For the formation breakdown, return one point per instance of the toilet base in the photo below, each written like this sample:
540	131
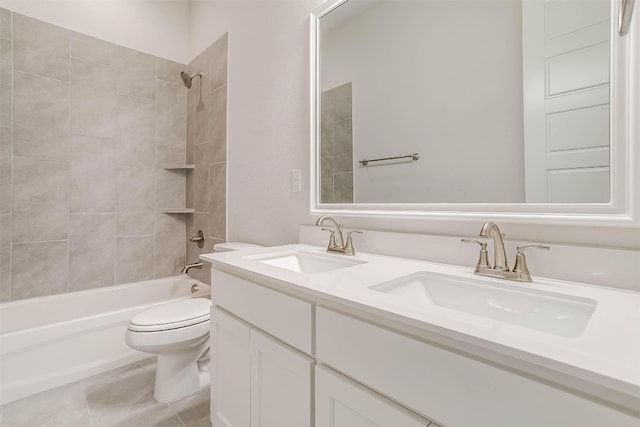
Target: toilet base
178	375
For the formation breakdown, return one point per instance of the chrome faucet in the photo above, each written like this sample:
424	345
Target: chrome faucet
187	267
500	269
344	247
499	253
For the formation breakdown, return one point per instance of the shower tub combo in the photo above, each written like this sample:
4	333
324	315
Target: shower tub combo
49	341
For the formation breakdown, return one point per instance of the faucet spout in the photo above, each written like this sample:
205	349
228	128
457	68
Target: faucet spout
491	229
336	228
187	267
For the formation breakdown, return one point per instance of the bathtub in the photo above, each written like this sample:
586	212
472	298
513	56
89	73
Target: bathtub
49	341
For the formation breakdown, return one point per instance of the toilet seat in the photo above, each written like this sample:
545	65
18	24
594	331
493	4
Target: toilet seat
176	315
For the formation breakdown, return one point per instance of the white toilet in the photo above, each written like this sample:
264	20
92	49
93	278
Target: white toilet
178	333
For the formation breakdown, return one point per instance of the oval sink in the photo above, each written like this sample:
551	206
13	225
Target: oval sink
305	262
559	314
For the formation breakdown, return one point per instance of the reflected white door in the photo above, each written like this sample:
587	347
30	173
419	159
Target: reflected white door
565	49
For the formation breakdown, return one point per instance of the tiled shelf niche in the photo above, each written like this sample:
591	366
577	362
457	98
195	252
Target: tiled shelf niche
179	167
179	211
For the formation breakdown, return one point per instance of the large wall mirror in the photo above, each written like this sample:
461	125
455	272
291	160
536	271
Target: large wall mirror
512	105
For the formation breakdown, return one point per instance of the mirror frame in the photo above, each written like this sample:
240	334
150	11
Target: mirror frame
622	210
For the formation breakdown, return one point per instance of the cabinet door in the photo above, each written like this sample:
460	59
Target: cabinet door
230	370
343	403
280	384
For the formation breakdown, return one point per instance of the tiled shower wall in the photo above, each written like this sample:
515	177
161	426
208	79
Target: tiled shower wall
85	127
336	145
207	148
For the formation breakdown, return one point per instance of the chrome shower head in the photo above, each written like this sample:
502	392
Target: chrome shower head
187	79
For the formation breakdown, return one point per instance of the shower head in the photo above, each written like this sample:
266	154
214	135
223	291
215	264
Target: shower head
187	79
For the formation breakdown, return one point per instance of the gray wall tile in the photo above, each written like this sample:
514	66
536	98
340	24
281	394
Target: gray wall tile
326	179
201	179
218	213
38	269
41	117
218	63
191	133
6	169
218	122
170	189
41	199
6	31
5	258
326	131
92	175
93	50
136	73
94	100
342	146
134	259
202	115
91	251
169	71
170	251
171	123
40	48
85	149
136	130
6	83
134	200
343	187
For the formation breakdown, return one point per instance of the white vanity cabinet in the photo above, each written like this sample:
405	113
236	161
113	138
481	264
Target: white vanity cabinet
257	380
344	403
286	357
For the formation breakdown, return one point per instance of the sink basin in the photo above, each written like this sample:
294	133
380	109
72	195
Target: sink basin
558	314
305	262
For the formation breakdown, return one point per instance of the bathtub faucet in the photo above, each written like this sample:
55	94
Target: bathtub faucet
187	267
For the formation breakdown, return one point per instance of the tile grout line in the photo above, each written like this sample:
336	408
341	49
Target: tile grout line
69	169
155	171
115	170
12	166
84	394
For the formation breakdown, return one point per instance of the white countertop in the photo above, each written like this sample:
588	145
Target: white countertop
604	361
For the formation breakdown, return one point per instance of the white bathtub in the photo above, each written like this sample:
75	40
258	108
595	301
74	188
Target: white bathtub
49	341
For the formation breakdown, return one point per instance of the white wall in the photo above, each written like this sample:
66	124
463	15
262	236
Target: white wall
268	112
157	27
269	133
454	96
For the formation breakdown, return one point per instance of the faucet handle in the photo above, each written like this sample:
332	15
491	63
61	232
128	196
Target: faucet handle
483	258
523	247
520	266
348	246
332	237
483	245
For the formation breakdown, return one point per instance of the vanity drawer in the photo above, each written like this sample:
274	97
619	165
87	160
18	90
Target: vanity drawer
446	386
280	315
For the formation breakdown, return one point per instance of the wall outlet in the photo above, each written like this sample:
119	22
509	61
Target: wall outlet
296	180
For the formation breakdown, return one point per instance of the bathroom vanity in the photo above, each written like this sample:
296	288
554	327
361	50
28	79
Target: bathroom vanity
301	337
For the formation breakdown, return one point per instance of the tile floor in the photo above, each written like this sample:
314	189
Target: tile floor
118	398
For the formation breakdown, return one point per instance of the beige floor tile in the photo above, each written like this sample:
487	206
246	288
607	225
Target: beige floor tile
48	406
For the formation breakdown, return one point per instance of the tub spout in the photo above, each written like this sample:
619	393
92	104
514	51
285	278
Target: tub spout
187	267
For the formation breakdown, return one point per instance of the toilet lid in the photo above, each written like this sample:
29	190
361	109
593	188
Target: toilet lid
173	315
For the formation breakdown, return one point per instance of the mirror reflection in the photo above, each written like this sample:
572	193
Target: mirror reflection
503	101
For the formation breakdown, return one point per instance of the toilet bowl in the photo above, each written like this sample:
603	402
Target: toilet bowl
178	333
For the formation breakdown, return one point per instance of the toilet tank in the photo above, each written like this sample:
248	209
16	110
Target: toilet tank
233	246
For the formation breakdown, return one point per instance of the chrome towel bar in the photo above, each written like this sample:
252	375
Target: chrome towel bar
414	156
